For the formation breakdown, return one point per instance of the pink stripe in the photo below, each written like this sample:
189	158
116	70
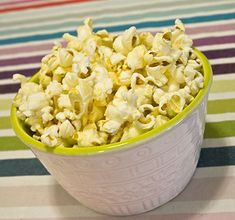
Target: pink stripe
209	188
213	216
210	28
204	189
28	48
16	2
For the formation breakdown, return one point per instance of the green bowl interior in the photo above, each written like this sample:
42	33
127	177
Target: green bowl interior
26	136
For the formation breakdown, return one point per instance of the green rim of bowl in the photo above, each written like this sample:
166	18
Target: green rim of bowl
27	139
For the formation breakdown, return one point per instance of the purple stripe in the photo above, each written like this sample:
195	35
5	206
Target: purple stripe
209	28
22	49
214	40
212	54
10	88
223	68
26	72
23	60
217	69
47	46
30	48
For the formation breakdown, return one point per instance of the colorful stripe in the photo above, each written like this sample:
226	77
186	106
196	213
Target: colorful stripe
71	24
149	24
210	157
27	31
17	2
41	5
211	54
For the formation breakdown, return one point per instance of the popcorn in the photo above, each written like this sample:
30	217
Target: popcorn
37	101
104	88
66	129
135	59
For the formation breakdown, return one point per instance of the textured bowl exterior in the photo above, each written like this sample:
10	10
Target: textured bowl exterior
136	179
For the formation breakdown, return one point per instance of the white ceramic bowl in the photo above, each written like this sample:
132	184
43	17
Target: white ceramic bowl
136	175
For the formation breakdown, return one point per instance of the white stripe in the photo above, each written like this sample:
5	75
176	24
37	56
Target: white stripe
229	116
20	4
39	42
4	113
36	65
199	207
222	60
79	211
72	8
6	133
16	154
213	34
30	43
203	24
212	96
20	66
211	172
95	10
27	181
125	21
216	46
116	14
43	52
8	81
47	180
219	142
47	212
7	96
227	76
209	118
222	95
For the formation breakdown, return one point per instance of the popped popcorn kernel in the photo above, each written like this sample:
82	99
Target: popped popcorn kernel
103	88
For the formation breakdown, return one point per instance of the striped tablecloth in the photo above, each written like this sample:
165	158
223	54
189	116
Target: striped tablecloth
27	30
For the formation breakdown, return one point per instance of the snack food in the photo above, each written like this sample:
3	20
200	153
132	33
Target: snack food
104	88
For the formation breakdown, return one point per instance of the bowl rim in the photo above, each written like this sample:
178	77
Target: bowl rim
28	140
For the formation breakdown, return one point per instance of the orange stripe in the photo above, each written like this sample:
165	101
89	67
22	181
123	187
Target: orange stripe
42	5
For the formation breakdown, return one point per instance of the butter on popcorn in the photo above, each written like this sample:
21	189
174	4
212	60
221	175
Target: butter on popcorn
104	88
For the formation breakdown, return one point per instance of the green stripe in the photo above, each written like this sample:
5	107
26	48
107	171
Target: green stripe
220	129
221	106
223	86
212	130
11	143
70	25
213	107
5	123
5	104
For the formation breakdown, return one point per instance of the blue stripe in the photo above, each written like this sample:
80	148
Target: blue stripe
210	157
22	167
149	24
109	19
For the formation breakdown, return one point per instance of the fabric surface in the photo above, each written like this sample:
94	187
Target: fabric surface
27	31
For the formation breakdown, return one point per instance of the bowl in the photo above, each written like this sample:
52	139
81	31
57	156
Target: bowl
133	176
